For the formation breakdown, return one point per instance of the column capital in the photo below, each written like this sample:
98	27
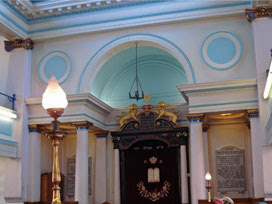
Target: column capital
253	113
101	133
205	128
195	117
116	140
18	43
82	124
36	128
258	12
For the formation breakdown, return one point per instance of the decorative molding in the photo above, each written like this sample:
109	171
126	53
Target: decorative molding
218	86
18	43
42	11
165	11
258	12
253	113
221	96
195	117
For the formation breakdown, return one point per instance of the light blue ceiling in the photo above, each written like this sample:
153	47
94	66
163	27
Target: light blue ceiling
158	71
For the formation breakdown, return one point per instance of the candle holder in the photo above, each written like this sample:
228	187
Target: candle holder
54	101
208	179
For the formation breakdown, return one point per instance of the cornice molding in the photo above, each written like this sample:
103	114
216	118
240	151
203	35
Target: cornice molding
212	86
258	12
123	15
18	43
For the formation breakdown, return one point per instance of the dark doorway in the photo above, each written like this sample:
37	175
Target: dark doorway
150	173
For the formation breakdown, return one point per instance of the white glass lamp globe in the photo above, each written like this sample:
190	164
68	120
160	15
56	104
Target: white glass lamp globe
208	176
54	96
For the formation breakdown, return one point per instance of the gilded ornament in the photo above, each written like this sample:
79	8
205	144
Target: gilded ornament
19	43
259	12
253	112
195	116
133	113
154	195
161	111
153	160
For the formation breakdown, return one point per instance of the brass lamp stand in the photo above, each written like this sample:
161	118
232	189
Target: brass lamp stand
208	178
56	135
54	101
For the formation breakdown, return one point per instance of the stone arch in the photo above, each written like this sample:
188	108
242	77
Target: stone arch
118	44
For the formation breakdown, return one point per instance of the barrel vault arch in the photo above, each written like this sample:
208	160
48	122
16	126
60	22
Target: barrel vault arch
111	48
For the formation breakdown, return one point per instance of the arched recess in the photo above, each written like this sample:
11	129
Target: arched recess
158	71
111	48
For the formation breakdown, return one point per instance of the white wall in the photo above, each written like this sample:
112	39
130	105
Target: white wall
262	30
188	36
4	61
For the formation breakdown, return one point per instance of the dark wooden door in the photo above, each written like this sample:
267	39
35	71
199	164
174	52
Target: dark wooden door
150	174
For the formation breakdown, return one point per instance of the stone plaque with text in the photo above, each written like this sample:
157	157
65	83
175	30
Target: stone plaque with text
230	167
71	169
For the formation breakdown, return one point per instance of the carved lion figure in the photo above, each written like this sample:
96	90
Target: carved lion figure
133	113
163	112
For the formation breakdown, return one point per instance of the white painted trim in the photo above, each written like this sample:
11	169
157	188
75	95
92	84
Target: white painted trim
221	84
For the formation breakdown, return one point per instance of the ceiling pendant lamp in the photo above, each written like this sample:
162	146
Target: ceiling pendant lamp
139	93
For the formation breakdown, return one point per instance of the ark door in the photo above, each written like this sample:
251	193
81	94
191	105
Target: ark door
150	173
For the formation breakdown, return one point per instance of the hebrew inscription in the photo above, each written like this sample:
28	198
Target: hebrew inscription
230	170
71	169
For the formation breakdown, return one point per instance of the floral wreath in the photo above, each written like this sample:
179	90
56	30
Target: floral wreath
153	195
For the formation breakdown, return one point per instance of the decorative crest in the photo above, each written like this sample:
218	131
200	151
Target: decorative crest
153	160
147	107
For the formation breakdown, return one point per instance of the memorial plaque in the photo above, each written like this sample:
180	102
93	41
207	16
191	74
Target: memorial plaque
71	169
230	167
89	176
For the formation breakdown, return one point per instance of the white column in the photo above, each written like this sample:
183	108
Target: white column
197	167
262	28
81	177
256	154
117	192
101	169
183	173
16	172
34	163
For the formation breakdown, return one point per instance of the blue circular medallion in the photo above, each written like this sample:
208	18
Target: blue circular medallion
55	63
221	50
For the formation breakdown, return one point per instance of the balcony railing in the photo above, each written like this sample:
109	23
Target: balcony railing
11	99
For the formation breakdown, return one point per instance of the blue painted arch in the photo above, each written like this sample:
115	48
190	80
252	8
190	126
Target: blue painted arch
88	75
158	71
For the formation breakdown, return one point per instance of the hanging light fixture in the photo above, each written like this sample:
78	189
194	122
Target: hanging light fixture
137	84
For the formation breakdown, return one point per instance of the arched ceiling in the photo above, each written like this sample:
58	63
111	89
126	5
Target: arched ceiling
158	71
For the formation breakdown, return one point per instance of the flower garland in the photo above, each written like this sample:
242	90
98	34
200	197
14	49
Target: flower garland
153	195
